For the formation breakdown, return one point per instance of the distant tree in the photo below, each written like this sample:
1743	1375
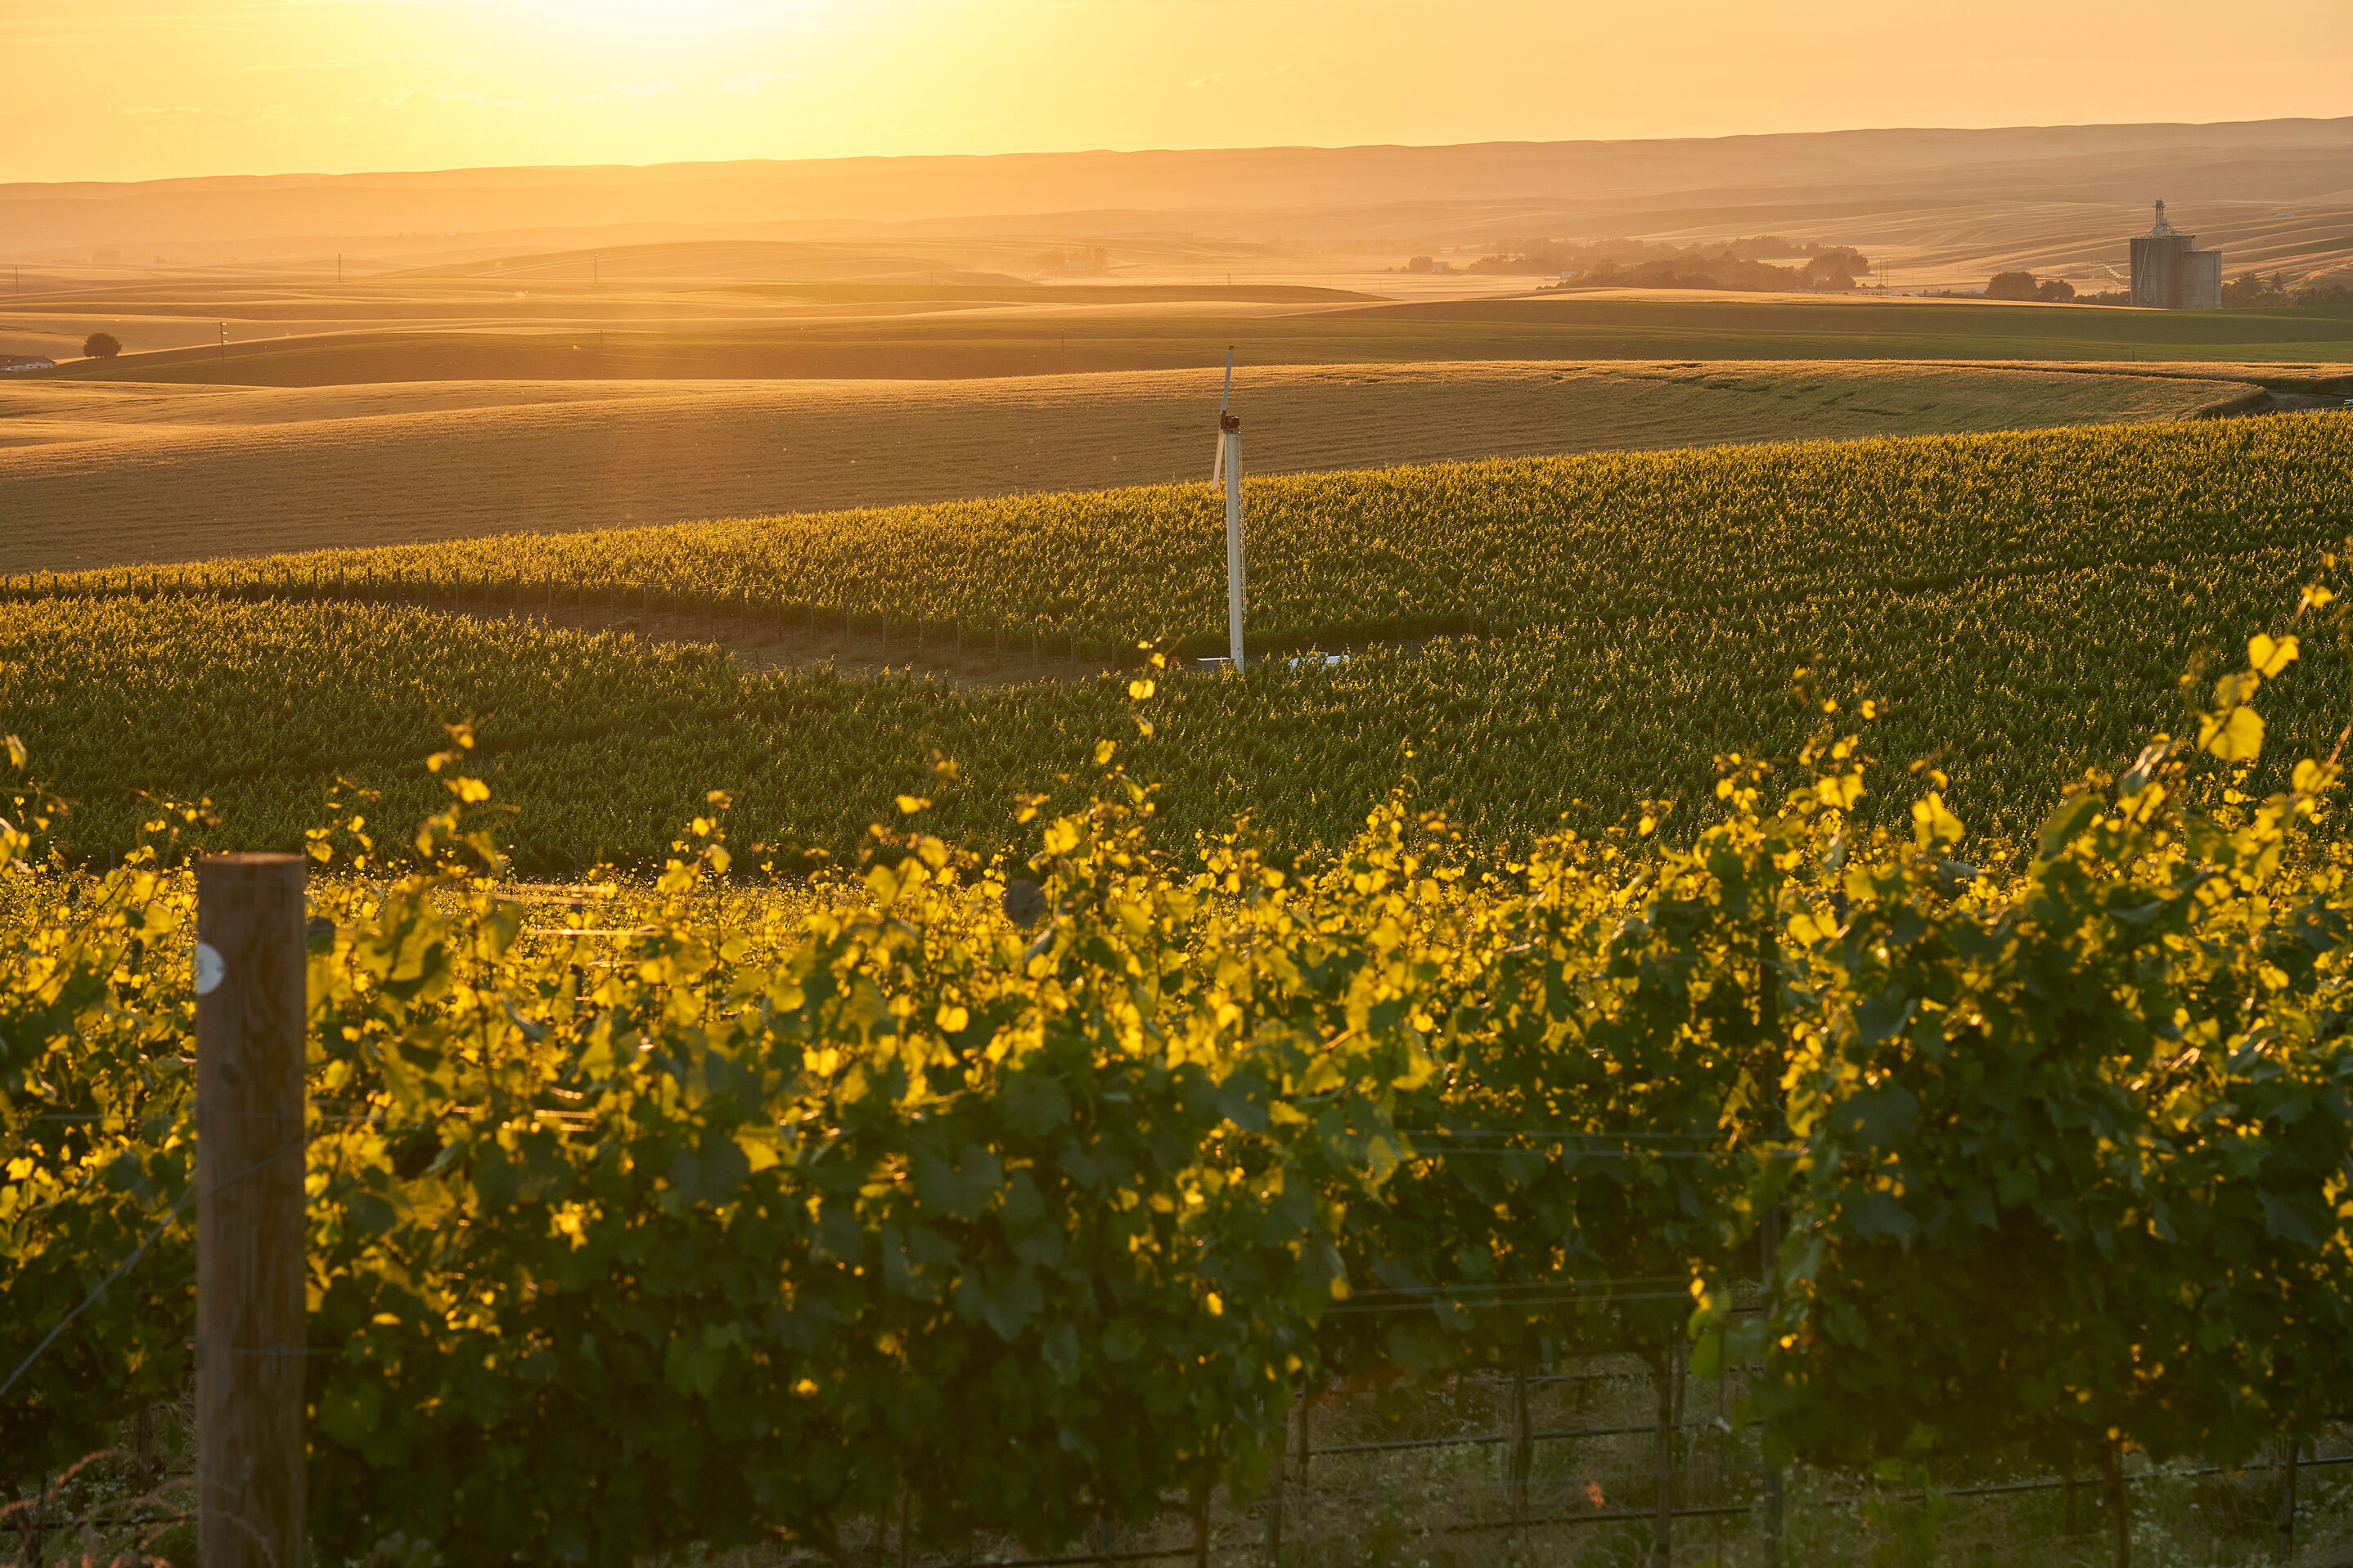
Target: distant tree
1420	264
2055	291
2253	289
1836	267
101	345
2324	294
2013	285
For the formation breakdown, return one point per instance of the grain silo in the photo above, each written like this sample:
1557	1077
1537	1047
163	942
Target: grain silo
2171	273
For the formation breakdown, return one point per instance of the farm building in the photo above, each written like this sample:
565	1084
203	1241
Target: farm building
17	365
2169	273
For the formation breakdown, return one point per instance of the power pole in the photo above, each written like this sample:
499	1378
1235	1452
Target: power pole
223	350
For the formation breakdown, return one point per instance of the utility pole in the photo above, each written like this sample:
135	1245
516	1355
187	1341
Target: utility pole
339	269
223	350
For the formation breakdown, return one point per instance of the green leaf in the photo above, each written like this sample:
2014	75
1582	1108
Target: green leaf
349	1411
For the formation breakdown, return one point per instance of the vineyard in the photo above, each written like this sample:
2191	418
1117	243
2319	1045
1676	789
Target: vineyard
1631	1065
1043	1197
2015	608
1400	553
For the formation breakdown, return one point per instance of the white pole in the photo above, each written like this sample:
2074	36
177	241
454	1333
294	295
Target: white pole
1217	465
1236	577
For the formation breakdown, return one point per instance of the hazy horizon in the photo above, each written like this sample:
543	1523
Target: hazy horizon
656	165
113	90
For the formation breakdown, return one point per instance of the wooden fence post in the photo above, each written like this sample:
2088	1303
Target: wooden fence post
1522	1449
1668	1369
2290	1450
251	962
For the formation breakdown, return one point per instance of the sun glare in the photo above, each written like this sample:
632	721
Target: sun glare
666	17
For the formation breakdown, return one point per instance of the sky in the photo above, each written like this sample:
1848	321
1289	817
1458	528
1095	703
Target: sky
130	89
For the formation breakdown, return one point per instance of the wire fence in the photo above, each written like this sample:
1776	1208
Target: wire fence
1540	1466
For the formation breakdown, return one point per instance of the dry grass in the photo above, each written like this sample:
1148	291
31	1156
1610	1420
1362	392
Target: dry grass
101	473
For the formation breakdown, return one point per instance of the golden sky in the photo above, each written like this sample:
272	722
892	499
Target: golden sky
119	89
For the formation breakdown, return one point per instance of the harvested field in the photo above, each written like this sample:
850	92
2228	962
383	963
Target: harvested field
98	473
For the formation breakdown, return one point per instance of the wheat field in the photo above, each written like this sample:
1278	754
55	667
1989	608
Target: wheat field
103	473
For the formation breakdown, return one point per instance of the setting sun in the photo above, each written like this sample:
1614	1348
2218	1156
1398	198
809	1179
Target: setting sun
1175	783
115	89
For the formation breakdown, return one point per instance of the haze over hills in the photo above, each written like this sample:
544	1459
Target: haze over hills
1934	199
654	340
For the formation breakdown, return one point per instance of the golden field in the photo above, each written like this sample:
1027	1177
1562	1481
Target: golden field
97	473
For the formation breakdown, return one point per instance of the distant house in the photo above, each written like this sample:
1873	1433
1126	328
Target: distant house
19	364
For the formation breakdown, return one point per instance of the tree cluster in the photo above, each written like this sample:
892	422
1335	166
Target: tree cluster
1647	264
2255	289
2025	286
1074	258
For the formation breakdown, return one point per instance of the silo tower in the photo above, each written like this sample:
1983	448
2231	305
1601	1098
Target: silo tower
2171	273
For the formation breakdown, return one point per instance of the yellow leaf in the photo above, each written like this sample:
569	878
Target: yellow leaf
1103	749
1840	791
2235	737
1932	824
2268	657
1642	828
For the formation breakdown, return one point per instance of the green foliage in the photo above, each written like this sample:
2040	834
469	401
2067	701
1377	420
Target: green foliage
2014	681
730	1214
755	1214
95	1101
1407	552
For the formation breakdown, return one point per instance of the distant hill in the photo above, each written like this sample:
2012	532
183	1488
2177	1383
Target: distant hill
1299	193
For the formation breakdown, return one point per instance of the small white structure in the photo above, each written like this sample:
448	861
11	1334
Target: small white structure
21	364
1228	468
